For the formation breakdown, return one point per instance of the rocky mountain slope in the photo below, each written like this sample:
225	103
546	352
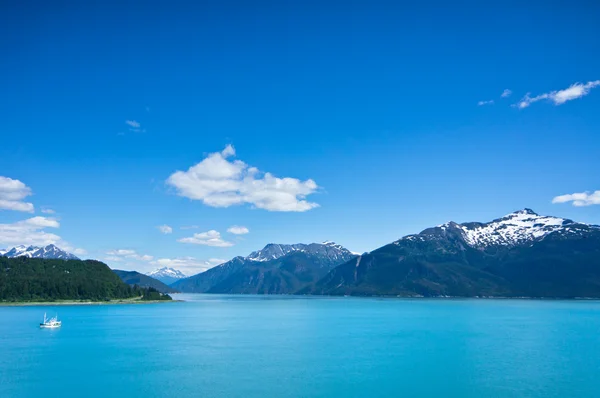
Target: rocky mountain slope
520	255
276	269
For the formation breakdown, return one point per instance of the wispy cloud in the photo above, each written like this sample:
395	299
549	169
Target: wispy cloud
48	211
165	229
189	227
238	230
12	193
128	254
579	199
506	93
481	103
135	126
79	251
559	97
219	182
29	232
209	238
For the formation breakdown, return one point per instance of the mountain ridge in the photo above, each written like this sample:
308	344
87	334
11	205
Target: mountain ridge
50	251
521	254
277	268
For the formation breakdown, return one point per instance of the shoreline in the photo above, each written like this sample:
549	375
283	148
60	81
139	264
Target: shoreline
72	302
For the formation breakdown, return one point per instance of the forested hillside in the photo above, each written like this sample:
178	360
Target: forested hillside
34	279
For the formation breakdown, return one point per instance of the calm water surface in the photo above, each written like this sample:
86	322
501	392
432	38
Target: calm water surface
252	346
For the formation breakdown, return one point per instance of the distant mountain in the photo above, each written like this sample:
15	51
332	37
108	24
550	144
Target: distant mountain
167	275
520	255
133	278
50	251
276	269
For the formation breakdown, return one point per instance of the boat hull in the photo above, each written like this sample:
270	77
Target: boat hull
50	326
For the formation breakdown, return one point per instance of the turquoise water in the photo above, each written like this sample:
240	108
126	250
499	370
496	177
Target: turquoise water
251	346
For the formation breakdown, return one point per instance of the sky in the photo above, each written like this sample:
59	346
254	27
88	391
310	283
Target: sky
176	134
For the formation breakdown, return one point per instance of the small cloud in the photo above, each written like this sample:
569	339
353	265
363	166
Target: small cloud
129	254
559	97
48	211
189	227
238	230
165	229
209	238
579	199
220	182
148	109
133	124
12	193
506	93
79	251
481	103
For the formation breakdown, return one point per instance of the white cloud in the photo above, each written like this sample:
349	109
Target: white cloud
165	229
209	238
559	97
133	124
189	227
188	265
506	93
12	193
481	103
29	232
79	251
218	182
238	230
48	211
579	199
128	254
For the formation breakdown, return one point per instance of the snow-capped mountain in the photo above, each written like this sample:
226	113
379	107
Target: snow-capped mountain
50	251
167	275
522	254
521	227
330	250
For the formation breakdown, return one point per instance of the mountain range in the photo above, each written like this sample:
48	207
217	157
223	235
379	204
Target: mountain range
48	252
276	269
522	254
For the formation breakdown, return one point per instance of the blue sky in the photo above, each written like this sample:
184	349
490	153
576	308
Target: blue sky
371	111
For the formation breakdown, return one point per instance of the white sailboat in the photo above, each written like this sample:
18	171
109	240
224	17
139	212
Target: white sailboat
50	323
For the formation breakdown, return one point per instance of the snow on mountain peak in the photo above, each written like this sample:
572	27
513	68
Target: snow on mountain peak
167	272
274	251
49	251
514	228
